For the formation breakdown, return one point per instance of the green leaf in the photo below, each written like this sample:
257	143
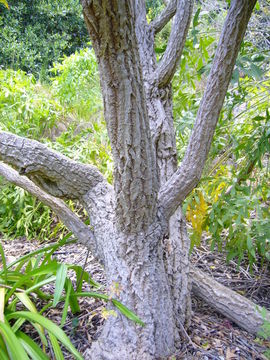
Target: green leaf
5	3
50	327
31	347
73	302
43	270
56	348
4	262
40	284
24	298
65	310
3	355
128	313
14	346
61	276
17	325
2	304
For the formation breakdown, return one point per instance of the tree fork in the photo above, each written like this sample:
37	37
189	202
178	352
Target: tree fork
138	227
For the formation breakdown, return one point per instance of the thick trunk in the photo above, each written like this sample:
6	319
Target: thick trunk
137	276
138	230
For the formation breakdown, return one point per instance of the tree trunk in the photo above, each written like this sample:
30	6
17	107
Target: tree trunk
139	233
137	274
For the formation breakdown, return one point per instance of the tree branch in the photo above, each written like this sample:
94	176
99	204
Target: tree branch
53	172
188	174
82	232
227	302
173	52
164	17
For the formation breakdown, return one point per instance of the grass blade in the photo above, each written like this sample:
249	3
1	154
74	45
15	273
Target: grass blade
65	310
32	349
56	348
50	327
2	304
4	262
14	346
128	313
61	276
24	298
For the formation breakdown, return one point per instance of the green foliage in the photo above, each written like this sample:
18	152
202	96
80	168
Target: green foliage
26	107
34	34
231	202
76	84
23	285
23	215
34	110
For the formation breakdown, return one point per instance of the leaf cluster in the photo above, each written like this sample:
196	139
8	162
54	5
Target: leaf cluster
25	297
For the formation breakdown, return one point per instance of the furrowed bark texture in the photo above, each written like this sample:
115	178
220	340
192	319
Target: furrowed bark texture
235	307
163	19
139	232
111	25
190	170
170	59
55	173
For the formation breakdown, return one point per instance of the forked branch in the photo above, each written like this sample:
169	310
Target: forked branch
164	17
189	173
81	231
53	172
173	52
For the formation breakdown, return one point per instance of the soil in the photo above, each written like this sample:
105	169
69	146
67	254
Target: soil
210	336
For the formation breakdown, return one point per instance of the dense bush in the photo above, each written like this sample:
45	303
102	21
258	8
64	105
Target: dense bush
34	34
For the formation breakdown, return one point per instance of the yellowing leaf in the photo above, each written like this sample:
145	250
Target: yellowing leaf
107	313
197	212
5	3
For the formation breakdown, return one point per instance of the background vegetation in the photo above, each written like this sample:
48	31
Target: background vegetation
49	90
231	203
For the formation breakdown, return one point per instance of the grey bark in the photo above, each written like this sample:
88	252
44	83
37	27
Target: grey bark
232	305
170	59
188	175
111	25
138	228
55	173
158	23
82	232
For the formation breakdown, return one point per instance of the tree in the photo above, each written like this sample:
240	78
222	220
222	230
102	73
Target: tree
137	228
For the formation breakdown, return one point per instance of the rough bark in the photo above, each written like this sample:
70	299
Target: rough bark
111	25
170	59
141	241
82	232
232	305
158	23
55	173
188	175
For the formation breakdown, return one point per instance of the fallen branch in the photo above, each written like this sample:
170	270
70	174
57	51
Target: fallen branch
242	311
